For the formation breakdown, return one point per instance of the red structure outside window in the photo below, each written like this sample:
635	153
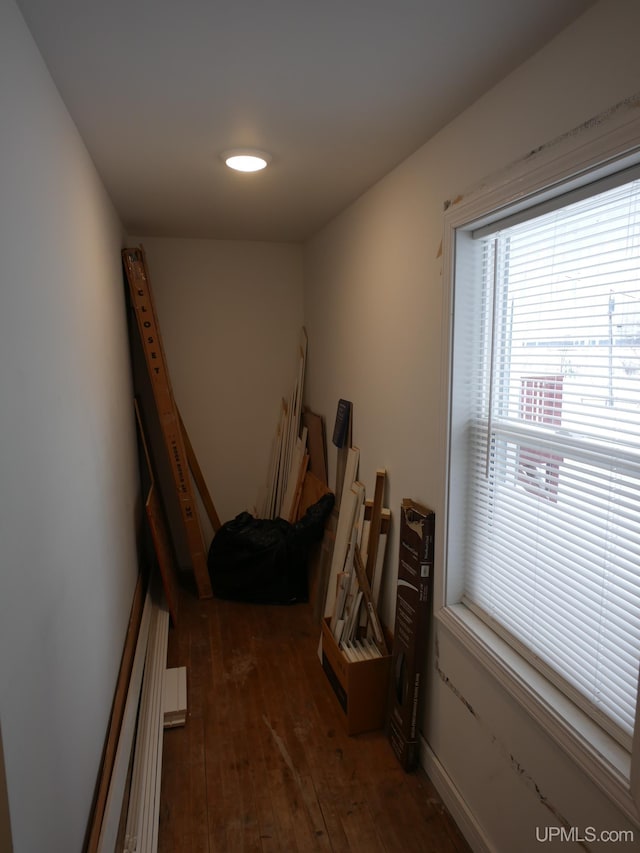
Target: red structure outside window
540	402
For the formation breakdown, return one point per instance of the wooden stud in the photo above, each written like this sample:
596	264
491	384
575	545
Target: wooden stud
317	445
198	476
117	718
155	516
298	492
294	478
366	591
346	519
374	527
158	528
385	525
282	465
108	829
321	567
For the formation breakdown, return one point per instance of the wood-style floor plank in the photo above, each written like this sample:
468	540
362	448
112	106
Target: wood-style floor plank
183	814
263	764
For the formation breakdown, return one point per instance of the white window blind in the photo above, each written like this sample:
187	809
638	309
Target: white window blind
552	541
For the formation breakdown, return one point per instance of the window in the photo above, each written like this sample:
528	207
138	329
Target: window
542	528
553	539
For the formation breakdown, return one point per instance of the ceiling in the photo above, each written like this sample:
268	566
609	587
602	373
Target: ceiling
339	92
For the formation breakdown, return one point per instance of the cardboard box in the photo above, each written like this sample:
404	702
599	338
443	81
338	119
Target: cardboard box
413	607
361	688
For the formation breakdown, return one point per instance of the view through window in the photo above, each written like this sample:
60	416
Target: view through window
552	540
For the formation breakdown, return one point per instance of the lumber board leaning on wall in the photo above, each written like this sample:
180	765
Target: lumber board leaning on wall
148	328
317	444
346	520
297	470
282	464
117	718
104	838
198	476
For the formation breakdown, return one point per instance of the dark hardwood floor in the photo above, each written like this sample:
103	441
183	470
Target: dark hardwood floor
263	763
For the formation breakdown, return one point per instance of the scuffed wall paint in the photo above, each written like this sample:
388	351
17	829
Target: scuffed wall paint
516	766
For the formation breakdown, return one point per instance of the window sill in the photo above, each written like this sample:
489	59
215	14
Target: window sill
597	754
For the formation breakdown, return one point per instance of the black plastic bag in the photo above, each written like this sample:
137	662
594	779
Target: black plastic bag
265	561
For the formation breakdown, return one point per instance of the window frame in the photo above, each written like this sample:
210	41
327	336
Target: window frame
604	146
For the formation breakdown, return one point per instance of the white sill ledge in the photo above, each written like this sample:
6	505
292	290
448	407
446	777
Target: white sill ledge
598	755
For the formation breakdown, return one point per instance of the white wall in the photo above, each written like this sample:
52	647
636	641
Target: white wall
230	313
68	471
373	301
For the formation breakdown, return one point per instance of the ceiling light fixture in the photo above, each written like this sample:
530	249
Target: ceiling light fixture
246	160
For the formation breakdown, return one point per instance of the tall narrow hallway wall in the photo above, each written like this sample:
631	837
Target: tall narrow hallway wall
68	470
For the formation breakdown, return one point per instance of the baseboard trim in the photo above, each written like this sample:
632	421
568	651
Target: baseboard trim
453	800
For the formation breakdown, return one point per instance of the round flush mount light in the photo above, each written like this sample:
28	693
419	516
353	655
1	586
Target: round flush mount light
246	159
